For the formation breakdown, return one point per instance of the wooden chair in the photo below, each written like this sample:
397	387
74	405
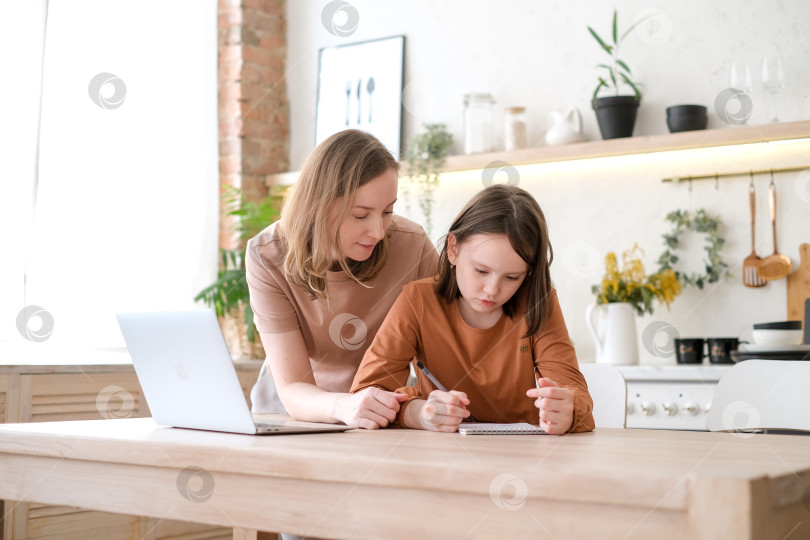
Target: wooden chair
609	393
762	395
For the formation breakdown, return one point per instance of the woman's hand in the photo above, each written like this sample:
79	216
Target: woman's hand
556	406
444	411
370	408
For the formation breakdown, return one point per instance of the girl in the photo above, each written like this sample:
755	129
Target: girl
323	278
483	327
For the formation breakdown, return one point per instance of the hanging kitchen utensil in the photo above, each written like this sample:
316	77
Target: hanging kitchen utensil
359	106
750	276
798	287
349	86
370	89
775	266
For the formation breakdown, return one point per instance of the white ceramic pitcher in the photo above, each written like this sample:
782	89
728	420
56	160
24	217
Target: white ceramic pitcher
616	342
567	127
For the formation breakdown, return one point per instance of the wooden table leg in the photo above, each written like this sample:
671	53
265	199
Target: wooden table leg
244	534
249	534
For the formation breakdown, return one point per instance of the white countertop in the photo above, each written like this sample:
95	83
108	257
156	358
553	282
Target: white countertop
680	372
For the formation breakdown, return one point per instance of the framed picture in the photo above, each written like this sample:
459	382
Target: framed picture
360	87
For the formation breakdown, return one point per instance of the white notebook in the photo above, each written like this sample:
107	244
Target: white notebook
487	428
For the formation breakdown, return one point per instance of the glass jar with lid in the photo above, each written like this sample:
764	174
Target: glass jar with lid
515	134
478	123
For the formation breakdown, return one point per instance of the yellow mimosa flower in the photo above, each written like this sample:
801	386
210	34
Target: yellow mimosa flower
627	285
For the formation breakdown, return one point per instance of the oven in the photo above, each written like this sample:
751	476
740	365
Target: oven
670	397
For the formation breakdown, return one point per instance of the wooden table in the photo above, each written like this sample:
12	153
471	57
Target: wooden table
407	484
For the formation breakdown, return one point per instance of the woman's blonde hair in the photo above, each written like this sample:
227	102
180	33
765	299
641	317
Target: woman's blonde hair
513	212
317	204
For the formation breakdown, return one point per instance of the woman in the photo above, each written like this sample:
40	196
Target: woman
324	276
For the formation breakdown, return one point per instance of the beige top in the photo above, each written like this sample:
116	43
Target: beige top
336	335
493	366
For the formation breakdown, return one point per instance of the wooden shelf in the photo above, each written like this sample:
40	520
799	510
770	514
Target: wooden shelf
635	145
617	147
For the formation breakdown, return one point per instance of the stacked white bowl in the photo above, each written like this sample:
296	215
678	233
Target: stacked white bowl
778	333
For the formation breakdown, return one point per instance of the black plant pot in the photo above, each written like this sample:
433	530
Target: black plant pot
616	115
686	118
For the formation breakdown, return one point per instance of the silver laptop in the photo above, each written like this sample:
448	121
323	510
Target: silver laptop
188	377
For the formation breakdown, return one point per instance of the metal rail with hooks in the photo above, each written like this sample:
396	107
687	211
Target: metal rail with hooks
716	176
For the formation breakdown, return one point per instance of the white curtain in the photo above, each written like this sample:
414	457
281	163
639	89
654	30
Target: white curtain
122	215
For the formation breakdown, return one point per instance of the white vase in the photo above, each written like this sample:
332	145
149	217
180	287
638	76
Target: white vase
614	333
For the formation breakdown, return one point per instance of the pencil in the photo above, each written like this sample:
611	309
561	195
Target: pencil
430	376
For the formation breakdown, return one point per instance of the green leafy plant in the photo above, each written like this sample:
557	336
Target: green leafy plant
229	293
617	70
701	222
424	159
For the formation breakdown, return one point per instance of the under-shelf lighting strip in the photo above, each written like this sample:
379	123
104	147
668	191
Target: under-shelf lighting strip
715	176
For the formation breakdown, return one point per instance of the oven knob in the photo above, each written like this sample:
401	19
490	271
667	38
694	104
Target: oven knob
692	407
630	408
648	407
670	408
708	406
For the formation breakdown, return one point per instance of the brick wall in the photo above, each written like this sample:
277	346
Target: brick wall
254	125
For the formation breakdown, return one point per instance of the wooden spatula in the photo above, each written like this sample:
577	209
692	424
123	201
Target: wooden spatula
776	265
750	276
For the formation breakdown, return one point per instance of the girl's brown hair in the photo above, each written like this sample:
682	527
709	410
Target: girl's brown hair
317	204
513	212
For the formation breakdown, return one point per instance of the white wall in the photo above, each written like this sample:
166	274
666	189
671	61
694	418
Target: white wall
539	54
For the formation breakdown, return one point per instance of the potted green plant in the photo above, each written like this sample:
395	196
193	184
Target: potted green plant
229	295
616	114
424	159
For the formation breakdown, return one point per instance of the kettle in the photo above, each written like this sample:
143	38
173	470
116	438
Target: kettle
567	127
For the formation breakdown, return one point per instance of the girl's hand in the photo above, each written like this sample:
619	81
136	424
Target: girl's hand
556	406
370	408
444	411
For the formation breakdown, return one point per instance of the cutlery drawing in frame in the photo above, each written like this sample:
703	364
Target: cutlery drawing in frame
360	87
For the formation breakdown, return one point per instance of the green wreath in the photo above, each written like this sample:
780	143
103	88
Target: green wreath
716	269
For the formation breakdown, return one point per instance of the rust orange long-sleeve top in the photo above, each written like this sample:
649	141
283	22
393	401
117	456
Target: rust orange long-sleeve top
493	366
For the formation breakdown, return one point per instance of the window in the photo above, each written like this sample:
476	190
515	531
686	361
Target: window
125	215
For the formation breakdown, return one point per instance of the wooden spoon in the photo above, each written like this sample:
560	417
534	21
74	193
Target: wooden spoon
750	276
775	266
